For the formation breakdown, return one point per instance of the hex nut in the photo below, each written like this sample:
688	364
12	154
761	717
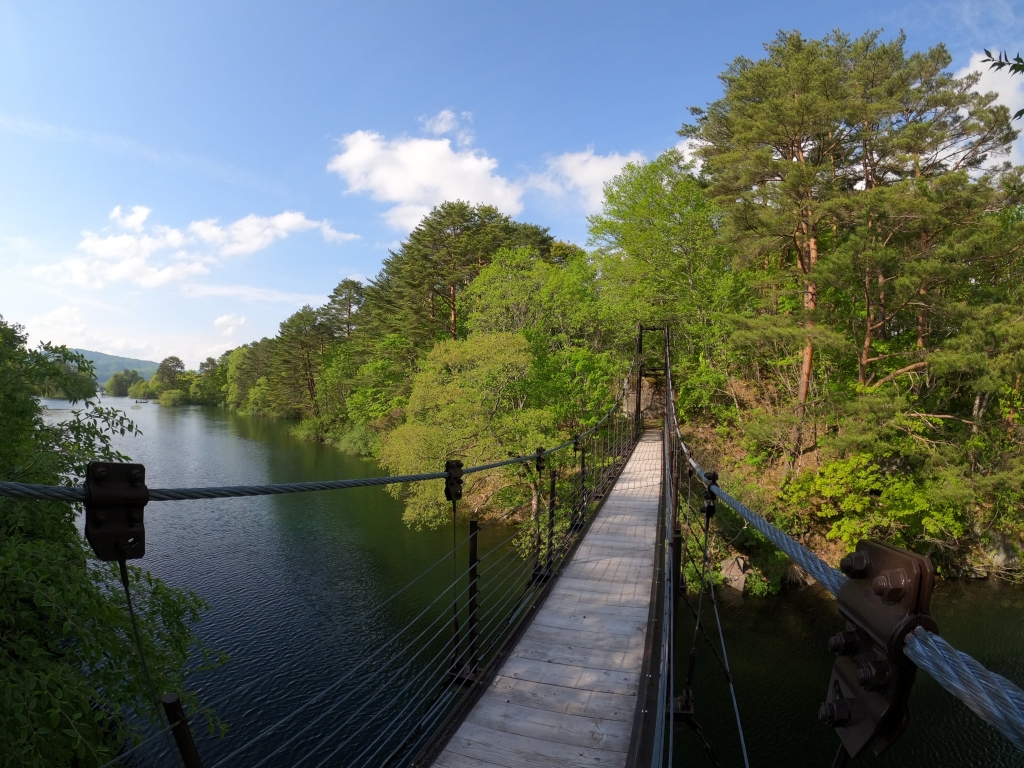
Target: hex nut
854	565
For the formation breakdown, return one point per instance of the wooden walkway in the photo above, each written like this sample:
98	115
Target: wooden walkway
567	694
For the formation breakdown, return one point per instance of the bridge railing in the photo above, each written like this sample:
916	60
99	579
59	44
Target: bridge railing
996	700
401	701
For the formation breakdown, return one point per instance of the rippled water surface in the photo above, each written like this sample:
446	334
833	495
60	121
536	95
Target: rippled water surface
285	576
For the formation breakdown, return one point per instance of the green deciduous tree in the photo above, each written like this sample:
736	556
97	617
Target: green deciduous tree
69	671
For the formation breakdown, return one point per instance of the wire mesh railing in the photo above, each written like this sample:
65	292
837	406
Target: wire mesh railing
391	707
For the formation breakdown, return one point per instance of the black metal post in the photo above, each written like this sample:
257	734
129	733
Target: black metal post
474	560
455	595
615	442
582	511
182	733
551	523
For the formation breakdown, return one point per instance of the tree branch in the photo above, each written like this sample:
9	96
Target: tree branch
900	372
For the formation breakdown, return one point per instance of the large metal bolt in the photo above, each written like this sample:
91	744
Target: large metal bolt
101	474
891	585
854	565
136	476
873	675
835	713
843	644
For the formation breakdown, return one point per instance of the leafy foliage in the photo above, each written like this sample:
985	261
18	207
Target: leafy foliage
70	675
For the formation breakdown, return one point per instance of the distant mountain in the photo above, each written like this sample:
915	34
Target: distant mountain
108	365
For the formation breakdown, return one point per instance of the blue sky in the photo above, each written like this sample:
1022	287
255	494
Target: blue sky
177	178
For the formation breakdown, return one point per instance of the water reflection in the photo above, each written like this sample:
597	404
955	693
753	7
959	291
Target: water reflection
781	666
284	576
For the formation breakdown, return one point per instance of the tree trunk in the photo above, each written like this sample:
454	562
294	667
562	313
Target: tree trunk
451	300
865	350
810	304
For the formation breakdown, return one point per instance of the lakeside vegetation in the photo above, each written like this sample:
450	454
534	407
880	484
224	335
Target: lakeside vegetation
840	261
839	255
71	673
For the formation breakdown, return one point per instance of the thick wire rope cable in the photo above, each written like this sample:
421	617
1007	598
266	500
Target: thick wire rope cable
961	675
78	493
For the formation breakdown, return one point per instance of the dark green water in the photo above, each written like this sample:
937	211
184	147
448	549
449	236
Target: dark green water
286	576
781	666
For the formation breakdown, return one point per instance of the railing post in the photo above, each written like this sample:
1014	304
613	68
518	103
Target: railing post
182	733
581	512
474	560
538	569
551	523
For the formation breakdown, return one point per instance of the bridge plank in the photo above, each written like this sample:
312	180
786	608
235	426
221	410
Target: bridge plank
575	730
558	698
515	751
581	656
566	695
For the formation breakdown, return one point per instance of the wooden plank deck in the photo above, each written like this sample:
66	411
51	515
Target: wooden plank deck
566	695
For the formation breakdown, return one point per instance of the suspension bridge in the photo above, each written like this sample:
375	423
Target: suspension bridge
555	646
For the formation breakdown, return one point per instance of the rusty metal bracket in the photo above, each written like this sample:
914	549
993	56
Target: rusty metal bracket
887	596
115	499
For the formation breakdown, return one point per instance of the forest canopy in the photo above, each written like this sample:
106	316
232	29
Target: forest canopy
838	253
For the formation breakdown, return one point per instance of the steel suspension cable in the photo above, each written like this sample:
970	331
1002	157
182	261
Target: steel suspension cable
358	619
370	675
992	697
405	714
427	668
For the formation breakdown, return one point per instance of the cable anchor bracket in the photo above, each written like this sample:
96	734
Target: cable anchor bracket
453	481
115	499
887	596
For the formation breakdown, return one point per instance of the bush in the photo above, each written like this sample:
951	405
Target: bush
173	397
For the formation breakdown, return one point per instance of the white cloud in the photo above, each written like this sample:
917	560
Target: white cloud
416	174
228	324
1011	94
254	233
66	325
446	121
251	293
583	174
686	148
441	123
166	255
133	220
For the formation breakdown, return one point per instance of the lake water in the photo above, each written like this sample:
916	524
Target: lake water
286	577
